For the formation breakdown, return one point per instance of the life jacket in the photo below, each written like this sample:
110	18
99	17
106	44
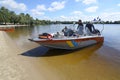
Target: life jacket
45	36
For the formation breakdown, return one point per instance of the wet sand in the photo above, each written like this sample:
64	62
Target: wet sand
96	62
13	66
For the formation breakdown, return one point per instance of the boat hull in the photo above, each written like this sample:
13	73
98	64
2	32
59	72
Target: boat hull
7	29
69	43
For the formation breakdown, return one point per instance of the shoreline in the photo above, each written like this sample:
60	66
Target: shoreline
12	25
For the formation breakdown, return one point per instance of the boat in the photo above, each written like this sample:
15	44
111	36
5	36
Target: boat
61	41
68	43
7	29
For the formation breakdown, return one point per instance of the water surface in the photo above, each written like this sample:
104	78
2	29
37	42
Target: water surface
96	62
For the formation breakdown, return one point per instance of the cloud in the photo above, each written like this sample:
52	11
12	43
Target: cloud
110	16
74	18
87	2
76	13
63	17
106	16
56	6
78	0
119	4
37	12
12	5
91	9
41	8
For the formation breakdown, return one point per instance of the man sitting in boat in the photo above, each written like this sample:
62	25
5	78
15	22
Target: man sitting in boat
90	29
56	35
67	32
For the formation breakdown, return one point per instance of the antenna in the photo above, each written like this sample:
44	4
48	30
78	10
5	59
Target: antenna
98	20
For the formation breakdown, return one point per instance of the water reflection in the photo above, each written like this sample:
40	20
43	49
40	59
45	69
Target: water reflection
20	31
47	52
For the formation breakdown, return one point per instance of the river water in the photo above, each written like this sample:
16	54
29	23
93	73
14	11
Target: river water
96	62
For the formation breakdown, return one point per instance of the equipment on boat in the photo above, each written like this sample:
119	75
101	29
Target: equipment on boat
45	36
68	42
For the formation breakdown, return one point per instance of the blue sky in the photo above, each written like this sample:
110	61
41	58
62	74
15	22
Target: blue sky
65	10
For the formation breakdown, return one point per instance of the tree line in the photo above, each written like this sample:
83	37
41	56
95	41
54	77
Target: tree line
85	22
10	17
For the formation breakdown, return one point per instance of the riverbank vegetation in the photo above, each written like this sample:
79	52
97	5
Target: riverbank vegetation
10	17
101	22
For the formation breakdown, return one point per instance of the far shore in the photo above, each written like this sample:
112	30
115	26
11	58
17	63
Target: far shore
16	25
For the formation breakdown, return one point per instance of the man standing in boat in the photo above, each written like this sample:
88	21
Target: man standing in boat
80	27
90	29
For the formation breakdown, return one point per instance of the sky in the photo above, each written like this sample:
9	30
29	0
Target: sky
66	10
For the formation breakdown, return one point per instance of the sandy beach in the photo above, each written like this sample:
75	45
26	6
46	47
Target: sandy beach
12	65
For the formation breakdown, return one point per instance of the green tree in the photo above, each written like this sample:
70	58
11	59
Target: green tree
22	18
7	16
4	14
13	17
28	19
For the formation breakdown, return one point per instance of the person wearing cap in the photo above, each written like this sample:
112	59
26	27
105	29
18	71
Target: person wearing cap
80	27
